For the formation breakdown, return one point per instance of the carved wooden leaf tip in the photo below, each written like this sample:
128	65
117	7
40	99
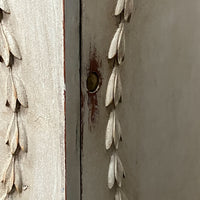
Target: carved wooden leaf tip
125	7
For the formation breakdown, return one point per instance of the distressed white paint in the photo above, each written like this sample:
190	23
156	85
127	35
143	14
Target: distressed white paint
38	29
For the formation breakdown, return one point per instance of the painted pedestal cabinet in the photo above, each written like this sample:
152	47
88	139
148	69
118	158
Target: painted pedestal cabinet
99	100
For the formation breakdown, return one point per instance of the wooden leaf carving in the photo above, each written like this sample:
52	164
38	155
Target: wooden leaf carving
10	129
110	88
16	91
23	143
4	6
128	9
118	195
113	131
119	170
117	134
21	92
18	178
4	49
117	87
15	138
6	170
121	45
111	172
119	7
12	44
113	46
11	179
11	93
110	130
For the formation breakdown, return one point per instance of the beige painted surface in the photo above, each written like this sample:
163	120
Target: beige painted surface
38	28
160	111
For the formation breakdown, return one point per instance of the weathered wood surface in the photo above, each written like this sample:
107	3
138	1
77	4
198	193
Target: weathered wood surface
38	29
160	109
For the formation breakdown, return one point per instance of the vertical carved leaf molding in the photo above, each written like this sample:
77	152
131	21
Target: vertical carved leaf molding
116	172
16	98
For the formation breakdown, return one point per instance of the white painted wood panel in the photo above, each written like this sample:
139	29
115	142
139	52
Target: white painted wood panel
159	112
38	29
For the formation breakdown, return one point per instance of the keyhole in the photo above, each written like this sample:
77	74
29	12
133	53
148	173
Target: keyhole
92	82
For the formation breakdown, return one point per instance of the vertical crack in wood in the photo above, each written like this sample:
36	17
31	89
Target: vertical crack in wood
16	137
116	172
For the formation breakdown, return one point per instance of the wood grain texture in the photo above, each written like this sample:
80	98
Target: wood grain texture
38	29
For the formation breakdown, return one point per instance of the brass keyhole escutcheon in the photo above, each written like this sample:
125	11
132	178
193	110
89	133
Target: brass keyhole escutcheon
92	82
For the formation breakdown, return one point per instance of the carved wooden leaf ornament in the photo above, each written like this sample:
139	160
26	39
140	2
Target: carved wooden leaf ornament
110	88
118	195
16	91
121	45
4	6
10	129
116	172
15	138
4	49
18	178
12	44
111	172
23	143
10	181
129	5
113	131
110	130
119	7
6	170
117	135
16	98
119	170
117	87
21	92
117	46
113	46
11	93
